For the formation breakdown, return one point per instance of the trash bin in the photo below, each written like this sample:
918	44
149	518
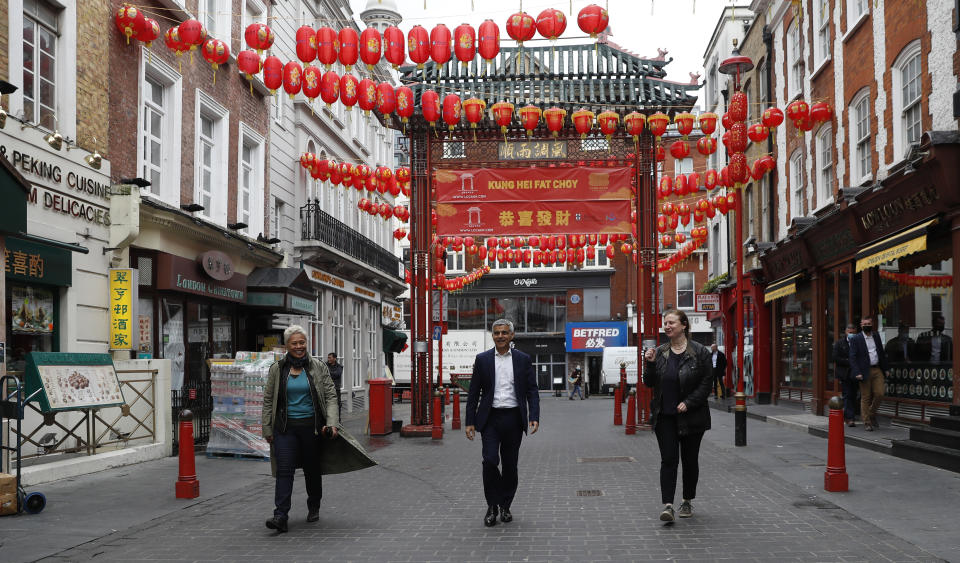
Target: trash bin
381	407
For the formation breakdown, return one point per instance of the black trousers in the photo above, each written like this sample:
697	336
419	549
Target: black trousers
297	446
718	382
501	445
673	449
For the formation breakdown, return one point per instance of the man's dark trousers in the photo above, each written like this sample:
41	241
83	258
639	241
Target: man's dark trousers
501	443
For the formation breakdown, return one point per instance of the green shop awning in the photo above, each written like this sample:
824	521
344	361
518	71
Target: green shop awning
35	262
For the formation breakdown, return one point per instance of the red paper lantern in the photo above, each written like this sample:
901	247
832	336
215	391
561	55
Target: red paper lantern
329	85
665	189
349	47
821	112
769	163
306	44
248	62
312	82
658	124
393	46
405	103
757	170
173	42
661	154
292	78
757	133
328	46
503	115
684	122
724	179
451	110
738	107
488	40
634	123
465	43
708	123
192	33
149	32
551	23
726	120
370	47
129	20
720	203
521	27
349	88
367	95
738	137
739	169
430	106
666	241
608	121
272	73
797	110
668	208
706	145
710	179
583	121
346	173
334	168
259	37
529	118
593	20
440	44
804	124
680	150
610	251
418	45
216	53
732	201
386	98
554	118
772	117
473	109
680	185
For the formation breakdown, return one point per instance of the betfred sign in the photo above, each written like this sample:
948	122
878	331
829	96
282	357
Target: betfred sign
708	302
594	337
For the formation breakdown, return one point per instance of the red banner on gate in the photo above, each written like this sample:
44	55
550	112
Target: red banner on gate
533	217
533	184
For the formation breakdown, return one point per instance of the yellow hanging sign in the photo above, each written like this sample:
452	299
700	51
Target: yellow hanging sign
121	309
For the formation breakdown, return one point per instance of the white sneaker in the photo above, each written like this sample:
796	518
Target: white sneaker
667	514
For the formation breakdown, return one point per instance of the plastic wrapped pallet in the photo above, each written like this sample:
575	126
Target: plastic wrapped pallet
237	390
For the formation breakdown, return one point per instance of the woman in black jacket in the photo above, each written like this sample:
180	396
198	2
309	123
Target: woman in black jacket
680	373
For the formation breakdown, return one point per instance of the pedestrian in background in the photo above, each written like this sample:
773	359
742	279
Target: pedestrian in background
680	374
868	366
299	411
576	379
336	372
502	389
719	362
849	385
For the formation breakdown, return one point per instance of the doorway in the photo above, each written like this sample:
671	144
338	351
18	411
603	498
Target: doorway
594	376
843	306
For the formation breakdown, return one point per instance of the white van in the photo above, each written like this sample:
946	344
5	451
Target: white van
612	358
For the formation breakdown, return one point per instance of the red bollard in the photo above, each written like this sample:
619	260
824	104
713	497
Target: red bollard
446	395
632	412
455	423
835	478
617	408
187	484
437	431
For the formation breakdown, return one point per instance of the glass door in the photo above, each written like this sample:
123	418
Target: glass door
839	313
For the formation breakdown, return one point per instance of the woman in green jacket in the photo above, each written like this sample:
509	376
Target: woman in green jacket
299	408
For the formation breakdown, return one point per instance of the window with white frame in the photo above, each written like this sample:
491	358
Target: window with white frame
715	250
277	109
685	299
373	317
276	217
861	166
683	166
713	87
821	40
856	9
158	138
210	183
908	91
40	37
356	343
796	184
215	15
317	325
455	260
825	175
254	11
764	188
250	185
794	59
749	216
336	314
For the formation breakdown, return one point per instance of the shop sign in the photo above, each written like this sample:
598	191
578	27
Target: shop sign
59	184
145	333
68	381
460	349
833	245
899	210
391	315
264	299
594	337
217	265
532	150
320	277
181	274
122	293
708	302
37	263
302	304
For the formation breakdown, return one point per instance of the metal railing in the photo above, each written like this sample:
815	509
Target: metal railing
319	225
198	398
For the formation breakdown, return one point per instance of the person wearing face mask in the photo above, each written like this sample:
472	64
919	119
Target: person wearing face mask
841	360
868	366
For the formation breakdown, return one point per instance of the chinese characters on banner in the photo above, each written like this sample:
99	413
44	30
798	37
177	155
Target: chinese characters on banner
526	201
121	309
23	264
532	150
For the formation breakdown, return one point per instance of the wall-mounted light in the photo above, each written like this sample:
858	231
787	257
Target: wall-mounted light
191	207
55	140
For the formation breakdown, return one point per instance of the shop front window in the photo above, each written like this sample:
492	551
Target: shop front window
471	313
917	325
356	343
222	331
198	342
796	341
171	336
32	324
540	313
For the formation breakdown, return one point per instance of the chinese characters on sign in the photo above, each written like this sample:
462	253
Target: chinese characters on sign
121	309
532	150
23	264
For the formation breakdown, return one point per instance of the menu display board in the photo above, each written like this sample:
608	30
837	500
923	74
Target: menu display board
64	381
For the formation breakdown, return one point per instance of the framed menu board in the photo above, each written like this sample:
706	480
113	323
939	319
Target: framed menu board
67	381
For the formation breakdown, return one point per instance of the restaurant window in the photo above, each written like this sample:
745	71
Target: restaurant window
33	313
916	323
796	342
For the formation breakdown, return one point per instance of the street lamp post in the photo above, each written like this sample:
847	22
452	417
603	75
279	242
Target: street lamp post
734	66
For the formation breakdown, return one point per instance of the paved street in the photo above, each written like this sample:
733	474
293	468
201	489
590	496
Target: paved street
424	502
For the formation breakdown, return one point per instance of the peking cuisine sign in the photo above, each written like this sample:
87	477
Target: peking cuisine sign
529	201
